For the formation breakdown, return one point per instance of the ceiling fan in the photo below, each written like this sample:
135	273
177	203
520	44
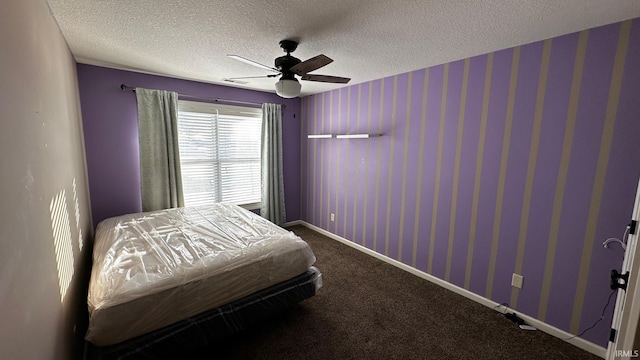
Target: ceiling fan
288	67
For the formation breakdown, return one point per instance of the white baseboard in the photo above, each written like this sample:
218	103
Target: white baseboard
540	325
293	223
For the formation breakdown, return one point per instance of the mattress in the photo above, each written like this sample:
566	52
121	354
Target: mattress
156	268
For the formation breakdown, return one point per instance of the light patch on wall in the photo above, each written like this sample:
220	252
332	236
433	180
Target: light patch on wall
77	208
62	241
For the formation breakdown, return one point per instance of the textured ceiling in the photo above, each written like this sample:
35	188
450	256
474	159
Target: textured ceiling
367	40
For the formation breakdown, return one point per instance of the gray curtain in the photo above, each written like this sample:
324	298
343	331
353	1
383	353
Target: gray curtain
160	179
272	207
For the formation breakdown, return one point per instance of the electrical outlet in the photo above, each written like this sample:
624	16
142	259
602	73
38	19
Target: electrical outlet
516	280
333	217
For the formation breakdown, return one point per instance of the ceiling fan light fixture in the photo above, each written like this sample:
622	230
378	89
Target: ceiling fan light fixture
288	88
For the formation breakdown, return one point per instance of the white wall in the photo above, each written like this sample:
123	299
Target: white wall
43	262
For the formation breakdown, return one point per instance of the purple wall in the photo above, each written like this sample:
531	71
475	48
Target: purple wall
111	135
523	160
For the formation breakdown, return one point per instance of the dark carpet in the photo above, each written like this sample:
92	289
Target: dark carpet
368	309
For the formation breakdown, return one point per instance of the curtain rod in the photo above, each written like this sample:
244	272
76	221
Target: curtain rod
131	88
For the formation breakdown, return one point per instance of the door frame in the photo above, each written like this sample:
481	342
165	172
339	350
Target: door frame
627	311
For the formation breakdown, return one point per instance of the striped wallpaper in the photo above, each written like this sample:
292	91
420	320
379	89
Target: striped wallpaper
523	160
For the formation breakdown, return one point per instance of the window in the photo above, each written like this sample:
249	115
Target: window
219	153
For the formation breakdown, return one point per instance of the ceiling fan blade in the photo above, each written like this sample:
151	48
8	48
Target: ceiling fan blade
310	65
326	78
253	77
251	62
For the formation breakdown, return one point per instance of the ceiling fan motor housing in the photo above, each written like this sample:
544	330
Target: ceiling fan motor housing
284	63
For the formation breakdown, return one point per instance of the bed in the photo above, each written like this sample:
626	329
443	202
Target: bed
189	276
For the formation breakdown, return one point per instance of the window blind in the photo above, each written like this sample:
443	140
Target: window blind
219	153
